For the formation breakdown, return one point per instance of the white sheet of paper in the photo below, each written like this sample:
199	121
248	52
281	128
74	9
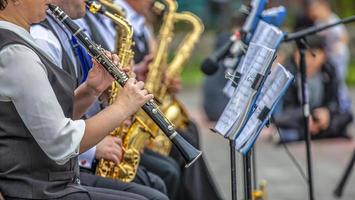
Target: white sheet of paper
274	88
258	59
267	35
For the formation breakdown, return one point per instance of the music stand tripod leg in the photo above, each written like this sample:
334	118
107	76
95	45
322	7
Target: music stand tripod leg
338	192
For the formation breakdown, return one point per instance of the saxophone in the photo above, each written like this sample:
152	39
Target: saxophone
133	137
171	106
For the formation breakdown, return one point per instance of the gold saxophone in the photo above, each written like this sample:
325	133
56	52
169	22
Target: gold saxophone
135	136
171	106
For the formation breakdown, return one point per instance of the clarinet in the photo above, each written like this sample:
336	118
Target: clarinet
188	152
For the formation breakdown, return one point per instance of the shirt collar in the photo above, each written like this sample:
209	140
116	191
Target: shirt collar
20	31
24	34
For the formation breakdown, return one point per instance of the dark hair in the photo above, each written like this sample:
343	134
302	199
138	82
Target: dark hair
302	21
237	19
3	4
316	42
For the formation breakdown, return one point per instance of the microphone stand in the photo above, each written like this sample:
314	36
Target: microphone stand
300	38
233	169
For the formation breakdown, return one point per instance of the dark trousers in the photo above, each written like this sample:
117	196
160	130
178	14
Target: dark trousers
99	182
165	167
196	181
143	177
96	194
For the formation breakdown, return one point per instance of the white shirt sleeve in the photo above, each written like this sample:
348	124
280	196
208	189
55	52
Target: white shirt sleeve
47	41
86	158
23	80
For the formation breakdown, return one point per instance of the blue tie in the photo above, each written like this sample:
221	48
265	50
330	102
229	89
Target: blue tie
85	59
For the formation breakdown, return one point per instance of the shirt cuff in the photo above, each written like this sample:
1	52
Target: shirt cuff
86	159
76	137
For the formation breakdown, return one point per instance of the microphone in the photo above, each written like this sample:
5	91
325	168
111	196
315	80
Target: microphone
236	45
210	64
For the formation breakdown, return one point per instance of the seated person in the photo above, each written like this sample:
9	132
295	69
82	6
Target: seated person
326	119
214	100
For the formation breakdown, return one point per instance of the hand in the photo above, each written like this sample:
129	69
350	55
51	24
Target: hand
314	128
174	84
132	96
322	116
98	78
110	148
141	69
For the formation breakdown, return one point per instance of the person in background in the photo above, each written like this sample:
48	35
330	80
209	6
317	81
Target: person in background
336	45
219	11
326	119
214	100
183	183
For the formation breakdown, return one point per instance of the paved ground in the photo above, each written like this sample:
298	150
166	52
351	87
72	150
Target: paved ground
273	164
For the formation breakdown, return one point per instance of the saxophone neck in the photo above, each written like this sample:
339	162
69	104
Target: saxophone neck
187	45
113	8
158	66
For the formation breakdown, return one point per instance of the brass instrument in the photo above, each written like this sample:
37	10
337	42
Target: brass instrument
157	67
171	106
113	8
188	152
134	137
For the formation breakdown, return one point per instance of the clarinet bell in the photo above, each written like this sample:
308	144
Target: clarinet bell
188	152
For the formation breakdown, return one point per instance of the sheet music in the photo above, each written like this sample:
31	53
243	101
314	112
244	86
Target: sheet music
267	35
258	59
274	88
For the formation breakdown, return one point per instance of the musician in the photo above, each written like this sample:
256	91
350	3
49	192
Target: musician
52	37
40	134
327	120
195	181
337	45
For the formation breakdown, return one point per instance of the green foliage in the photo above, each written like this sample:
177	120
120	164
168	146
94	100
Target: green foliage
350	80
192	76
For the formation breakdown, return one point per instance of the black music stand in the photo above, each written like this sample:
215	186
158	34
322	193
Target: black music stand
233	169
338	192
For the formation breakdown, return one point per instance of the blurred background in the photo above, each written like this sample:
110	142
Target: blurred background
330	157
215	15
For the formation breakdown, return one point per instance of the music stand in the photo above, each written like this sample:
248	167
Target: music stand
338	192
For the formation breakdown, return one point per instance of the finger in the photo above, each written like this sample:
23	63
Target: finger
117	140
126	69
144	92
115	159
148	58
115	59
133	75
149	97
108	54
140	84
130	81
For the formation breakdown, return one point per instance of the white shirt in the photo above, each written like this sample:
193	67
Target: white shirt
137	21
103	26
24	82
49	42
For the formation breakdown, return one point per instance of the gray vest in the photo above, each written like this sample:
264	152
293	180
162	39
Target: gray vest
25	170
